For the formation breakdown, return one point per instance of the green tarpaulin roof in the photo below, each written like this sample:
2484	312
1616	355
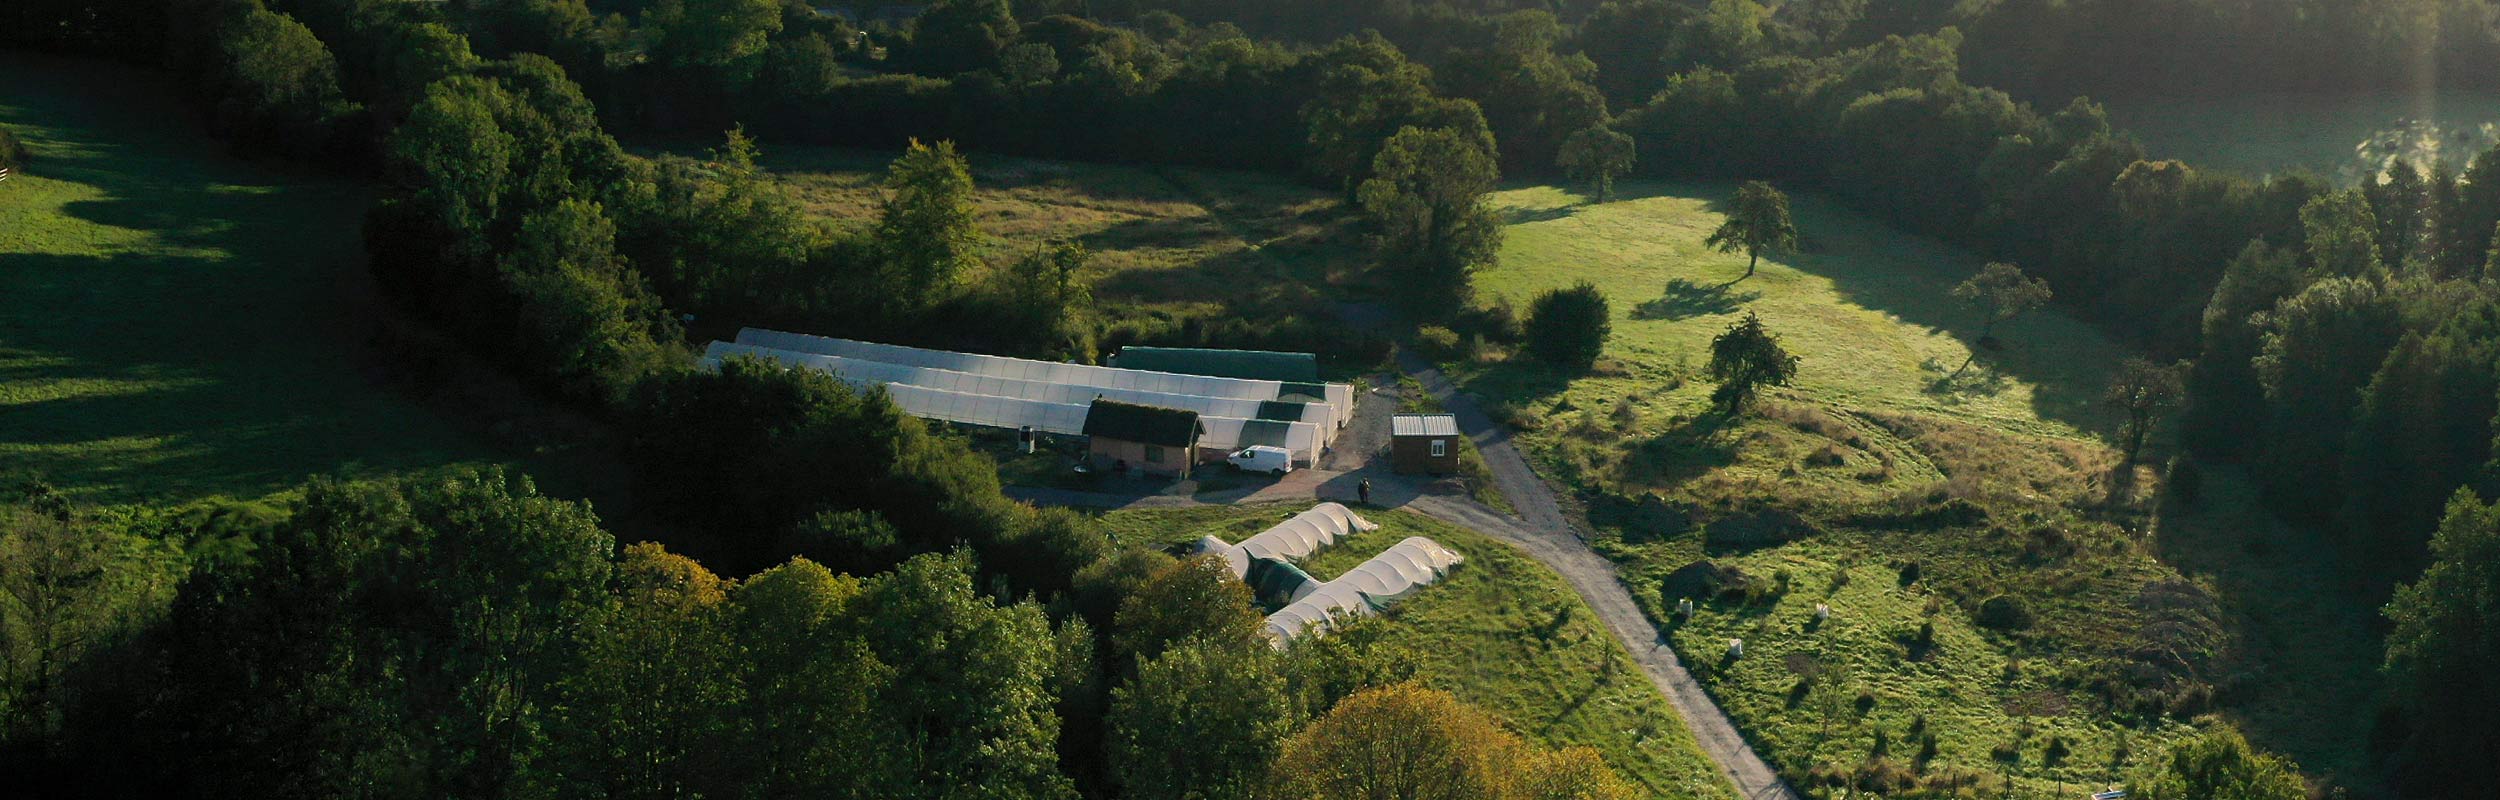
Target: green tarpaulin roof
1262	365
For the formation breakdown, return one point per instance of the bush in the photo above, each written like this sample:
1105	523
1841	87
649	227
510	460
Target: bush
1494	323
12	152
1568	327
1438	343
2187	482
2004	613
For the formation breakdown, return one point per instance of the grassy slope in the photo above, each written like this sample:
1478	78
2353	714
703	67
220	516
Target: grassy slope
1504	634
1874	420
171	321
1162	236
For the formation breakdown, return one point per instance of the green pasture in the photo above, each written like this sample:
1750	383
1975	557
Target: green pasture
176	323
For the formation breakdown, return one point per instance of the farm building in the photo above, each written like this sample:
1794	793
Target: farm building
1149	439
1425	443
1257	365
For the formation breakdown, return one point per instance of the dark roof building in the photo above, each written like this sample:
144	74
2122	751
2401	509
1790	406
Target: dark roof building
1257	365
1147	438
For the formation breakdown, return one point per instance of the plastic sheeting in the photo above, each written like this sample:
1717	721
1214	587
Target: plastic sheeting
857	369
1338	396
980	408
1412	564
1290	540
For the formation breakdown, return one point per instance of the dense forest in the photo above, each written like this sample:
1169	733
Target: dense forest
465	635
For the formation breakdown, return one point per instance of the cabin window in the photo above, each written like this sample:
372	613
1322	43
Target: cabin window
1154	454
1440	448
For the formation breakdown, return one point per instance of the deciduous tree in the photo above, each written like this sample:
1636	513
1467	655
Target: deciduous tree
1999	292
2217	765
2440	654
1757	223
1745	358
1203	720
2142	390
1595	156
1568	327
926	226
1193	599
1427	195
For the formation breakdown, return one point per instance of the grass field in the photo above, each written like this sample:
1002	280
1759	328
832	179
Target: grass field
1503	633
2339	136
175	323
1865	308
1163	238
1996	482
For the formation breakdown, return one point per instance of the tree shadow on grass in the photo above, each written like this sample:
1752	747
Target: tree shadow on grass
1682	453
1685	299
1954	386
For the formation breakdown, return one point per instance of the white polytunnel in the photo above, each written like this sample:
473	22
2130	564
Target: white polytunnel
1338	396
1291	540
1303	439
1412	564
856	369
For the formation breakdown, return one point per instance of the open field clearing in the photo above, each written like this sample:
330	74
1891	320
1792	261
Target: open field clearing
2047	634
1503	633
2343	137
1162	237
175	323
1865	307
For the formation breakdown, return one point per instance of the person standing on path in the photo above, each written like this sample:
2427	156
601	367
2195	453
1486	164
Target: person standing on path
1363	492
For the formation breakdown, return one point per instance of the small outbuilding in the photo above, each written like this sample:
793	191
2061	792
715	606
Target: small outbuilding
1426	443
1149	439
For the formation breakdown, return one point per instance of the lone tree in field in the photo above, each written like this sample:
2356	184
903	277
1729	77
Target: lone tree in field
1744	359
1594	156
1427	196
1999	292
2143	389
1757	223
1568	327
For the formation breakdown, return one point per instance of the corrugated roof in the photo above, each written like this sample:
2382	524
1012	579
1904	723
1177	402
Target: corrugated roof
1130	422
1423	425
1262	365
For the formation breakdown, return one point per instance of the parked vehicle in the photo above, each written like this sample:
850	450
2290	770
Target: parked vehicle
1262	458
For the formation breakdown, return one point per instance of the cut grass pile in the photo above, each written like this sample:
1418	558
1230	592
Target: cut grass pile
1503	633
1996	481
175	323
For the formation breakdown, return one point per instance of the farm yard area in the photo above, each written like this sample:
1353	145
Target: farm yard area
1501	632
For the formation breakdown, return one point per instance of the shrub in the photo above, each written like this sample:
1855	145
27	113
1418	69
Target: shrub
2004	613
1494	323
12	152
2187	482
1568	327
1911	572
1437	343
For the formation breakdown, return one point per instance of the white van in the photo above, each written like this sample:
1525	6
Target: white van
1262	458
